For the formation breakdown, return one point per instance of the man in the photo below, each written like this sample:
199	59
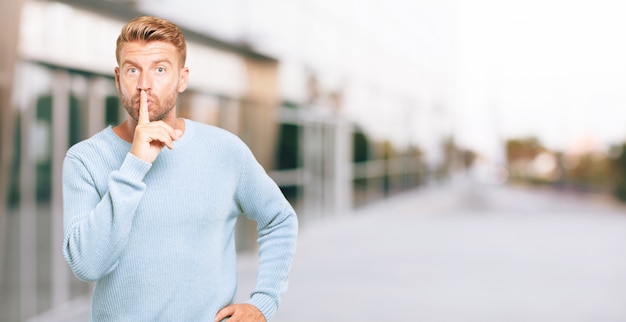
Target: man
150	205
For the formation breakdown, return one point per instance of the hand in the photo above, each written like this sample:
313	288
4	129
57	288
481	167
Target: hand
150	137
240	313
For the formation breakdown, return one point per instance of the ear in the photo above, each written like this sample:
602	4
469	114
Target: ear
117	79
183	79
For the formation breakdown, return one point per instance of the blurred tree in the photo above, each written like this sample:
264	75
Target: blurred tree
361	150
520	153
590	172
523	149
586	172
288	152
618	171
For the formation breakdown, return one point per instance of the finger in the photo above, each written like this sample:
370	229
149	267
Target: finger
160	135
164	140
144	114
224	313
173	134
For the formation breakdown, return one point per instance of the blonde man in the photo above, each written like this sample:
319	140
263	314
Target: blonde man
150	205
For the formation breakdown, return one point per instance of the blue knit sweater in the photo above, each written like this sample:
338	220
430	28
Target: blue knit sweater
158	239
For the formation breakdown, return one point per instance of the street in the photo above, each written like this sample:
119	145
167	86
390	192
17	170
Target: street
461	252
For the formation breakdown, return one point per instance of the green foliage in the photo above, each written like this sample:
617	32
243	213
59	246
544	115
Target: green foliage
618	167
590	171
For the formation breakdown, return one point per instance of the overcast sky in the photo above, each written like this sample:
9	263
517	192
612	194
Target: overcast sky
555	69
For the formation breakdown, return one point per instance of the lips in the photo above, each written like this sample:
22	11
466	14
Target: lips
137	101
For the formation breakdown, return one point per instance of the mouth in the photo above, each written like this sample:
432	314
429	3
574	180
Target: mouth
138	102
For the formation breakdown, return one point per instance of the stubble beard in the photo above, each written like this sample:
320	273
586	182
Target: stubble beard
161	107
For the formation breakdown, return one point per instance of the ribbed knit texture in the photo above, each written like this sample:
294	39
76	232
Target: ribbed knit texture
158	239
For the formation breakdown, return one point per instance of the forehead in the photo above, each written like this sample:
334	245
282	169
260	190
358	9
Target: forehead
149	51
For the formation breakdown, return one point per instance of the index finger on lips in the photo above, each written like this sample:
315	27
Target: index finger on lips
144	115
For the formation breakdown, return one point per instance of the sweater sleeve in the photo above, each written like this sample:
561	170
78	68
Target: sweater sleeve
97	227
262	201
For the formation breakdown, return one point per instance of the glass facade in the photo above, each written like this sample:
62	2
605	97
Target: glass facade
63	95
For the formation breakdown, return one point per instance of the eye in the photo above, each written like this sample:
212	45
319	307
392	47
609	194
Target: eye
160	70
132	70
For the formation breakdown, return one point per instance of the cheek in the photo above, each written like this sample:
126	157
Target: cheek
124	93
124	88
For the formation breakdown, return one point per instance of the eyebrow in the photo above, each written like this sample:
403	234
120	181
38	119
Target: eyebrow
156	62
163	61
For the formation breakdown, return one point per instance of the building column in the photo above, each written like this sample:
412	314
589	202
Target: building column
60	136
342	167
10	11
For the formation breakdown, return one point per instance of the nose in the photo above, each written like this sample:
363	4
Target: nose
144	82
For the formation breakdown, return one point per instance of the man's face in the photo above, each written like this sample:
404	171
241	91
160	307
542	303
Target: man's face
153	67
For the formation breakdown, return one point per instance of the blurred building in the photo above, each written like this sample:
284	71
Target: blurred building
57	88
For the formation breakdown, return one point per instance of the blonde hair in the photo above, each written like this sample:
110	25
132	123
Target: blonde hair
148	29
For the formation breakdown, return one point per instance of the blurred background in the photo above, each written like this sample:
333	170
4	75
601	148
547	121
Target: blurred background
346	104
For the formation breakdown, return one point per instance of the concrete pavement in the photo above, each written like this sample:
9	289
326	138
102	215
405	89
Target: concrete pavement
463	252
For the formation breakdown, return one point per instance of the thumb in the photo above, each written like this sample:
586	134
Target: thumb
224	313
